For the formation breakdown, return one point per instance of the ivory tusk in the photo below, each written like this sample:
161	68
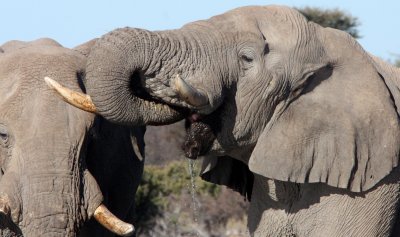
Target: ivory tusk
189	94
79	100
112	223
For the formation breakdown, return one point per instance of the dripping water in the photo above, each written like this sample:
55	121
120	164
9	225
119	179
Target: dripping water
195	206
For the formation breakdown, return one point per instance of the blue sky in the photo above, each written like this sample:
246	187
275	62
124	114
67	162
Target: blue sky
72	22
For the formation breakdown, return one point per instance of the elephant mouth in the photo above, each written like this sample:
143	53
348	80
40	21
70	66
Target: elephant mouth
200	136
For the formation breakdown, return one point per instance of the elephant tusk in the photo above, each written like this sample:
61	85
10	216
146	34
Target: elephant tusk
112	223
79	100
189	94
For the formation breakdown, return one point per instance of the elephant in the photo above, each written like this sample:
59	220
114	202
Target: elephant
61	167
298	118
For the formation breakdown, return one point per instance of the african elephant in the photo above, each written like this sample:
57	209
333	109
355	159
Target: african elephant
297	117
60	165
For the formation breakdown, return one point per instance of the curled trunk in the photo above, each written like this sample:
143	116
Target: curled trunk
115	72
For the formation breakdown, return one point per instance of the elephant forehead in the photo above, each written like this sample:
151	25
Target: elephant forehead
22	73
278	19
25	100
285	30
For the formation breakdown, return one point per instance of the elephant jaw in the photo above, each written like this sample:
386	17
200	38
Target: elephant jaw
199	137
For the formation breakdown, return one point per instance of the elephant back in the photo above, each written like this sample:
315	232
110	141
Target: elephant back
13	45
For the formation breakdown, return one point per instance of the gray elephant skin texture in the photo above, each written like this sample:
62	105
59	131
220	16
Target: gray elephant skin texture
58	163
296	117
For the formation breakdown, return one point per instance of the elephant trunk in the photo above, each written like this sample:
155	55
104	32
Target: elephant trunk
57	203
52	203
117	68
133	76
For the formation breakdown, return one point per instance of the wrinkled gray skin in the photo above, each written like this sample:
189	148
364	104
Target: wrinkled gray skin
58	163
305	121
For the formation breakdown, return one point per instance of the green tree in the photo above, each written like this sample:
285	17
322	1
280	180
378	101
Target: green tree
333	18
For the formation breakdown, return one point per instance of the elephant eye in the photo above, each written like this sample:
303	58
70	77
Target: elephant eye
3	134
246	58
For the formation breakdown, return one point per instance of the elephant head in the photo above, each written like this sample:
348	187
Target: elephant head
60	166
266	92
275	89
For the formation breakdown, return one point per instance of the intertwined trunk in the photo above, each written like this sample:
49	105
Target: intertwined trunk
138	77
118	65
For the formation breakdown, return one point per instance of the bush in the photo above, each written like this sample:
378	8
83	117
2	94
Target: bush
333	18
160	184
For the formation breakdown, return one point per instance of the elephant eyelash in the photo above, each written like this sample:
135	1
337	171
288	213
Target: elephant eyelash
246	58
4	136
245	61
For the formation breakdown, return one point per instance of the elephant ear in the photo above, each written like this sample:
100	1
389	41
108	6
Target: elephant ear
343	130
230	172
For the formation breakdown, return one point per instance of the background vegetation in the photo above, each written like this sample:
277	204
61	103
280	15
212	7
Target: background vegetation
334	18
397	63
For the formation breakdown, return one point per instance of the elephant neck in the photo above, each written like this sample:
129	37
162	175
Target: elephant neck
316	209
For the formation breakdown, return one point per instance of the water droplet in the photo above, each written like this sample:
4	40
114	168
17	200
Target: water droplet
195	206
